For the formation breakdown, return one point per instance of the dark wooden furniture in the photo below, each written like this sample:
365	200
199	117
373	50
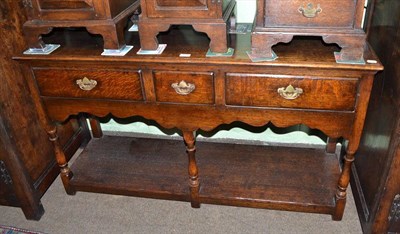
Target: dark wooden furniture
376	171
105	17
202	93
27	164
335	21
208	16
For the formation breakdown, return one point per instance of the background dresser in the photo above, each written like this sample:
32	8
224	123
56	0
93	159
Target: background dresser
336	21
376	171
208	16
105	17
27	164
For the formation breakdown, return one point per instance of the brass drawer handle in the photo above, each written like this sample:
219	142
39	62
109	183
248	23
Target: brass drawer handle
310	11
183	88
86	84
290	92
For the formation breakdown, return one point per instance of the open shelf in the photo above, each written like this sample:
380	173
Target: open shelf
133	166
285	178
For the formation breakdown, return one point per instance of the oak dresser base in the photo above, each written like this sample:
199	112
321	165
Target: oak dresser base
188	94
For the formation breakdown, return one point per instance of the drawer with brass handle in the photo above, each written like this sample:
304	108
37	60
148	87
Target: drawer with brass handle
86	84
184	87
338	22
291	91
310	13
102	84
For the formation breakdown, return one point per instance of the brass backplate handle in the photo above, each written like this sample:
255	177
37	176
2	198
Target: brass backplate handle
290	92
310	11
183	88
86	84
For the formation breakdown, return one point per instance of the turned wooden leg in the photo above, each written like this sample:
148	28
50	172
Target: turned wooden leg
331	145
33	35
218	36
66	173
352	47
261	44
343	183
148	32
194	184
96	127
352	146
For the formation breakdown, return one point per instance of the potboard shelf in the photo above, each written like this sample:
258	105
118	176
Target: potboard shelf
229	174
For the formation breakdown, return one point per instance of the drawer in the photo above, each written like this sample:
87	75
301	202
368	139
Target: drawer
77	83
314	13
184	87
193	9
291	92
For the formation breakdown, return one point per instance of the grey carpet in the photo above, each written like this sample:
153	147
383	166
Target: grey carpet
102	213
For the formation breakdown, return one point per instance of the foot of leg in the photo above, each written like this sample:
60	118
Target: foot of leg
261	45
148	32
112	34
218	36
33	35
343	183
352	47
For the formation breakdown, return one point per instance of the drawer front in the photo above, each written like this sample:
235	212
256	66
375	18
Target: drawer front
181	9
291	92
184	87
314	13
107	84
59	10
67	5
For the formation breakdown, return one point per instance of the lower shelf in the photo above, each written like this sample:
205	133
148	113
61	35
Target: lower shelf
133	166
285	178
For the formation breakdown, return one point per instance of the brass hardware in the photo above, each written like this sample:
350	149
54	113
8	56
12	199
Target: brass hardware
290	92
86	84
183	88
310	11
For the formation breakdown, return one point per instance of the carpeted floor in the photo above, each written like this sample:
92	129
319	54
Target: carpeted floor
101	213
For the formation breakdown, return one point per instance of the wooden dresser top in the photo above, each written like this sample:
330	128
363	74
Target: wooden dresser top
303	52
